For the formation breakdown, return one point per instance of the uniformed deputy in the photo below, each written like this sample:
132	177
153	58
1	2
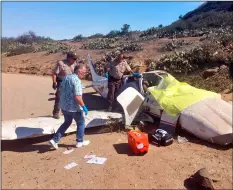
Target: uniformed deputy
116	68
61	69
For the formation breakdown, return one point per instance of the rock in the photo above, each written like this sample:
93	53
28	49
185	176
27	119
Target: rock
200	180
227	97
209	72
226	91
216	177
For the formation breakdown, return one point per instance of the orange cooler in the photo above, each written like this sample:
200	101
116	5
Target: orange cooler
138	142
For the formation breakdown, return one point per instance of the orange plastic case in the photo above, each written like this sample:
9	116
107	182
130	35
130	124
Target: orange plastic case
138	142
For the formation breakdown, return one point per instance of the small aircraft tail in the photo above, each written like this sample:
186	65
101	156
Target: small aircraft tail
95	76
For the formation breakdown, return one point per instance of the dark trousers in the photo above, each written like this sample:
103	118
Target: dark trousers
113	86
57	98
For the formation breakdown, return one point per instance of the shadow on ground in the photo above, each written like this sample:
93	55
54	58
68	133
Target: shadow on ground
27	145
192	139
51	99
92	100
123	148
32	144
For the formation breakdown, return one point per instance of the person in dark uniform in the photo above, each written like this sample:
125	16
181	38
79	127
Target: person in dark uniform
116	68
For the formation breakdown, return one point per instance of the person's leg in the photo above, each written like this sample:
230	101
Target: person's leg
80	121
56	104
118	85
111	93
68	116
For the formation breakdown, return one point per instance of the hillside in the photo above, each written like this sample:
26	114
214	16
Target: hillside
200	40
208	15
217	6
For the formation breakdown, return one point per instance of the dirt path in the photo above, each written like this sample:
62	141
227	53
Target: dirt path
32	165
26	96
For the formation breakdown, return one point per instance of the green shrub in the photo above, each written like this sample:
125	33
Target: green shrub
79	38
20	49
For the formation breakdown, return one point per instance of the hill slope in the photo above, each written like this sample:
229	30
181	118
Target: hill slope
209	14
185	55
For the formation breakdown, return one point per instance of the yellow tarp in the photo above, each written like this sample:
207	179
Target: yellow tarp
174	96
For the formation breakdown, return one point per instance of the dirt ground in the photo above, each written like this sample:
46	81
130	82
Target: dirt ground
31	164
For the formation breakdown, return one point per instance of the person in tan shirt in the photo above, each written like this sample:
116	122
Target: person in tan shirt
61	69
116	69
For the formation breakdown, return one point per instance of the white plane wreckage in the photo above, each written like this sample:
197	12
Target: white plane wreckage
203	113
156	95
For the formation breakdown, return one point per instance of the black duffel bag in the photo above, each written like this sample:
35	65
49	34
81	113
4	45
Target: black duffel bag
160	138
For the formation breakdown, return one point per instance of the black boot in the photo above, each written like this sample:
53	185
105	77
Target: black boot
56	116
109	109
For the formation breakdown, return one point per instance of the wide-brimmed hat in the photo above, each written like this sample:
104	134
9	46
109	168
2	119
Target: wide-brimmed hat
72	55
118	52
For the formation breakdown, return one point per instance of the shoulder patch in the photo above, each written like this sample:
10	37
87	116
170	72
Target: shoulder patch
60	63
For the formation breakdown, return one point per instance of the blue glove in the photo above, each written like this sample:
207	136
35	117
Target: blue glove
137	75
85	110
106	75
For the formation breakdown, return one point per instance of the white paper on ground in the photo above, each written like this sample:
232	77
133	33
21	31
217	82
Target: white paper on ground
89	156
97	160
182	139
68	151
71	165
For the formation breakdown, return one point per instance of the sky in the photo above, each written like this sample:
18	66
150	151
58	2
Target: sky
64	20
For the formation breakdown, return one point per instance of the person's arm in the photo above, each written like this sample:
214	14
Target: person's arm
107	67
79	100
128	67
135	74
55	71
78	95
54	78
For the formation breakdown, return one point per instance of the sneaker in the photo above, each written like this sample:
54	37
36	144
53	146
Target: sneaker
53	144
56	116
84	143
